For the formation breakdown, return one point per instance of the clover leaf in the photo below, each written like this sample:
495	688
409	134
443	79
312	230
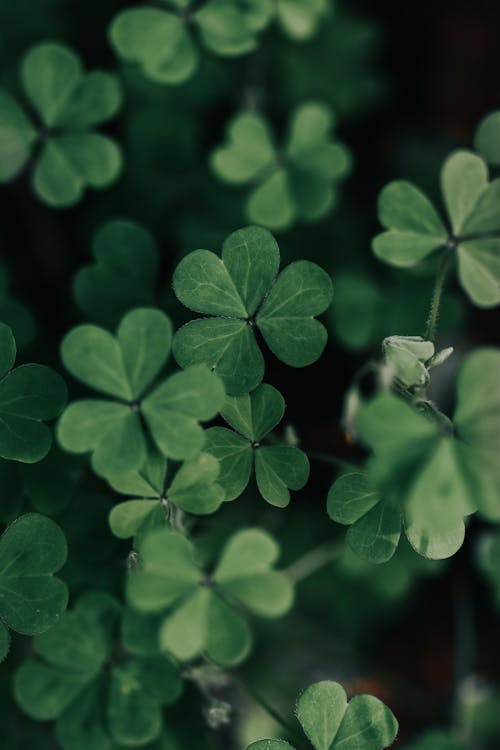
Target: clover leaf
487	138
295	183
124	367
278	468
123	275
421	474
193	489
161	41
32	599
244	291
68	103
29	395
204	612
331	722
300	19
471	237
98	691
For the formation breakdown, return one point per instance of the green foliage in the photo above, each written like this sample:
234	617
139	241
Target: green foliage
29	395
123	275
124	367
278	468
330	722
243	291
194	489
204	611
31	599
437	741
487	138
294	183
14	313
69	680
68	103
414	229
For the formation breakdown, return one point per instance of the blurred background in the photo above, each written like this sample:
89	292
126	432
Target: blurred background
409	82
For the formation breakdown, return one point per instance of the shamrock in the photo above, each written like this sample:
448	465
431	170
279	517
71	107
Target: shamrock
32	548
193	489
101	687
124	367
277	467
244	292
295	183
161	42
414	229
69	104
123	275
204	614
330	722
29	394
420	473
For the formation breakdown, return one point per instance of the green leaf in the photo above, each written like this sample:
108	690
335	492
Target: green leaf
269	745
279	468
285	319
95	357
17	136
487	138
82	725
478	399
184	633
269	594
235	457
479	270
320	710
31	550
175	408
375	523
95	99
229	638
203	283
271	203
300	18
144	336
464	177
44	691
364	723
230	30
255	415
248	552
249	150
126	519
111	431
50	73
124	273
227	346
194	488
69	164
169	571
155	40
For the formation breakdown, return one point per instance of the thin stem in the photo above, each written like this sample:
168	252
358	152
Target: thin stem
432	320
263	703
313	561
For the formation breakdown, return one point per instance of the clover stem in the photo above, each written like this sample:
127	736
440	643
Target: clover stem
432	319
313	561
327	459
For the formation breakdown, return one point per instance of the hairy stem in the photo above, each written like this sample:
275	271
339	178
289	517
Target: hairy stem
312	561
432	319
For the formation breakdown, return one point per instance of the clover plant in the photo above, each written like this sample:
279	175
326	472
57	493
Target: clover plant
162	614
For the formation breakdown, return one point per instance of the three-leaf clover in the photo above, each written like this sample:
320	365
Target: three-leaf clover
297	182
69	103
278	468
421	475
205	611
414	229
29	394
101	687
244	292
331	722
124	367
32	599
161	41
123	275
193	489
